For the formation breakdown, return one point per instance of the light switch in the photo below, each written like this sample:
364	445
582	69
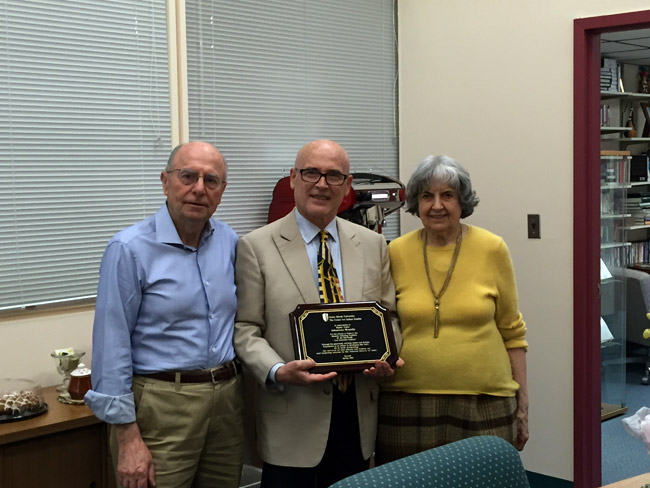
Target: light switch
533	226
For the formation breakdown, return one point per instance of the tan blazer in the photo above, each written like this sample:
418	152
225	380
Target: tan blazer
273	275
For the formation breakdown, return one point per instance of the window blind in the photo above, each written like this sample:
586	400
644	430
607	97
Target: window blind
264	78
84	134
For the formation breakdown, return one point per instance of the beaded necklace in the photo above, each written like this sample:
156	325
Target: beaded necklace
450	271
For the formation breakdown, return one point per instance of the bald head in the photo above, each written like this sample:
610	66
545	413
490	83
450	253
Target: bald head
323	148
197	148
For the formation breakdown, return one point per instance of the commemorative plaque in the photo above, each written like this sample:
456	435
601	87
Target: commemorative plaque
343	337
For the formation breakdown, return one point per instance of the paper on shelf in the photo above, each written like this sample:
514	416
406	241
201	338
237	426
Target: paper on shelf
604	272
605	334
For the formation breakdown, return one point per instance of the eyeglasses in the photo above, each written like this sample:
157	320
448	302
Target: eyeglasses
312	175
190	177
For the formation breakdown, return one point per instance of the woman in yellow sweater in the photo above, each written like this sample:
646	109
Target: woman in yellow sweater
464	339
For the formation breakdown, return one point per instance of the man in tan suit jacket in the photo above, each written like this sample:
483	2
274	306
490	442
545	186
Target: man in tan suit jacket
309	432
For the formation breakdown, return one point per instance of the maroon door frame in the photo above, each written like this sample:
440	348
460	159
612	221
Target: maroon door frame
586	239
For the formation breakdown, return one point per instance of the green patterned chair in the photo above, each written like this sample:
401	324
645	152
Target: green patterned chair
477	462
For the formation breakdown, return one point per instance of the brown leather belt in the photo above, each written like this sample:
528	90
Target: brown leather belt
214	375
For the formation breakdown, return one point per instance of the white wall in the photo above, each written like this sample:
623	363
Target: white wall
26	343
490	84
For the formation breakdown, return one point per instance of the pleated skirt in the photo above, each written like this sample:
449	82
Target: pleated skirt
410	423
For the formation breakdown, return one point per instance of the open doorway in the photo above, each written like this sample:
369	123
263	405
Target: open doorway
624	245
587	340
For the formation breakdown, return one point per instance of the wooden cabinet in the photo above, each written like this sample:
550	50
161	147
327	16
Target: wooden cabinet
65	447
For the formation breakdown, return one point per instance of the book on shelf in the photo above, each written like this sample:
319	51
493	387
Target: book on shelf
610	73
604	115
641	195
613	152
639	168
638	219
638	213
638	255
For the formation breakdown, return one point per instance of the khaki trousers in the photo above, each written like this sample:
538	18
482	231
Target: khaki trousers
195	432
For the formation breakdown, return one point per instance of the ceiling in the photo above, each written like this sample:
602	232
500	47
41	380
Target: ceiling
632	47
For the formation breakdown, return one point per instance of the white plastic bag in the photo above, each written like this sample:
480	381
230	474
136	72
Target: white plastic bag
638	425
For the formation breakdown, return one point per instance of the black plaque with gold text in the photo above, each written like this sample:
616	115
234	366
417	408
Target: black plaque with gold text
343	337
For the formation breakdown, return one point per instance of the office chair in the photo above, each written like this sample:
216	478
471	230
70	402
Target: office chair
476	462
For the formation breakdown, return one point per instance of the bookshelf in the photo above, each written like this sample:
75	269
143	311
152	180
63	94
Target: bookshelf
615	217
617	109
625	129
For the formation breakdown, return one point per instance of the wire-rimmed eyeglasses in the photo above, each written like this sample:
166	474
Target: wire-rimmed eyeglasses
190	177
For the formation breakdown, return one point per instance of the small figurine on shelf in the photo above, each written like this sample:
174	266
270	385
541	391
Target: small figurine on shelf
644	86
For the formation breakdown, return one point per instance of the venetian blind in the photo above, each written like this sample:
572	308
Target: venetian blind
84	134
264	78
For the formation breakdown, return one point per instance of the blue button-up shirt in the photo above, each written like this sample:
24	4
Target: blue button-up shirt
161	306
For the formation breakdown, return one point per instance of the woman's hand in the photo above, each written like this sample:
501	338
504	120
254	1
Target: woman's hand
382	370
518	365
522	420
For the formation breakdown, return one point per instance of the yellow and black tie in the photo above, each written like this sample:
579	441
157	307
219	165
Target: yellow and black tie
329	289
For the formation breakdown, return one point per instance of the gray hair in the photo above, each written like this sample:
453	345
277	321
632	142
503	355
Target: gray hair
170	161
441	170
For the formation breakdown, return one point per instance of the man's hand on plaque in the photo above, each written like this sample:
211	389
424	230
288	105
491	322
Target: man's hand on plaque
297	373
382	370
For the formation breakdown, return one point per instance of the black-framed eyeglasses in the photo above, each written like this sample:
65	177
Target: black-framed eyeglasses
312	175
190	177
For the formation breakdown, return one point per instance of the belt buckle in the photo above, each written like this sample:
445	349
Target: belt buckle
212	372
219	371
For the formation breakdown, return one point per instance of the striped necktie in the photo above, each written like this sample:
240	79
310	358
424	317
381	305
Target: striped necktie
329	290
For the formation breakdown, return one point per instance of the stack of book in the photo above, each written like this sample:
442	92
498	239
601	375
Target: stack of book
638	253
638	205
609	75
604	115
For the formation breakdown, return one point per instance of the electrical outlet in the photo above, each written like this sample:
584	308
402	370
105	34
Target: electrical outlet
533	226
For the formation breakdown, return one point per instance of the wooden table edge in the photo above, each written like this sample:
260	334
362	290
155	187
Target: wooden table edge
59	417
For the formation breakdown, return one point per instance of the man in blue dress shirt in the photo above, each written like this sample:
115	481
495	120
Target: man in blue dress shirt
163	369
